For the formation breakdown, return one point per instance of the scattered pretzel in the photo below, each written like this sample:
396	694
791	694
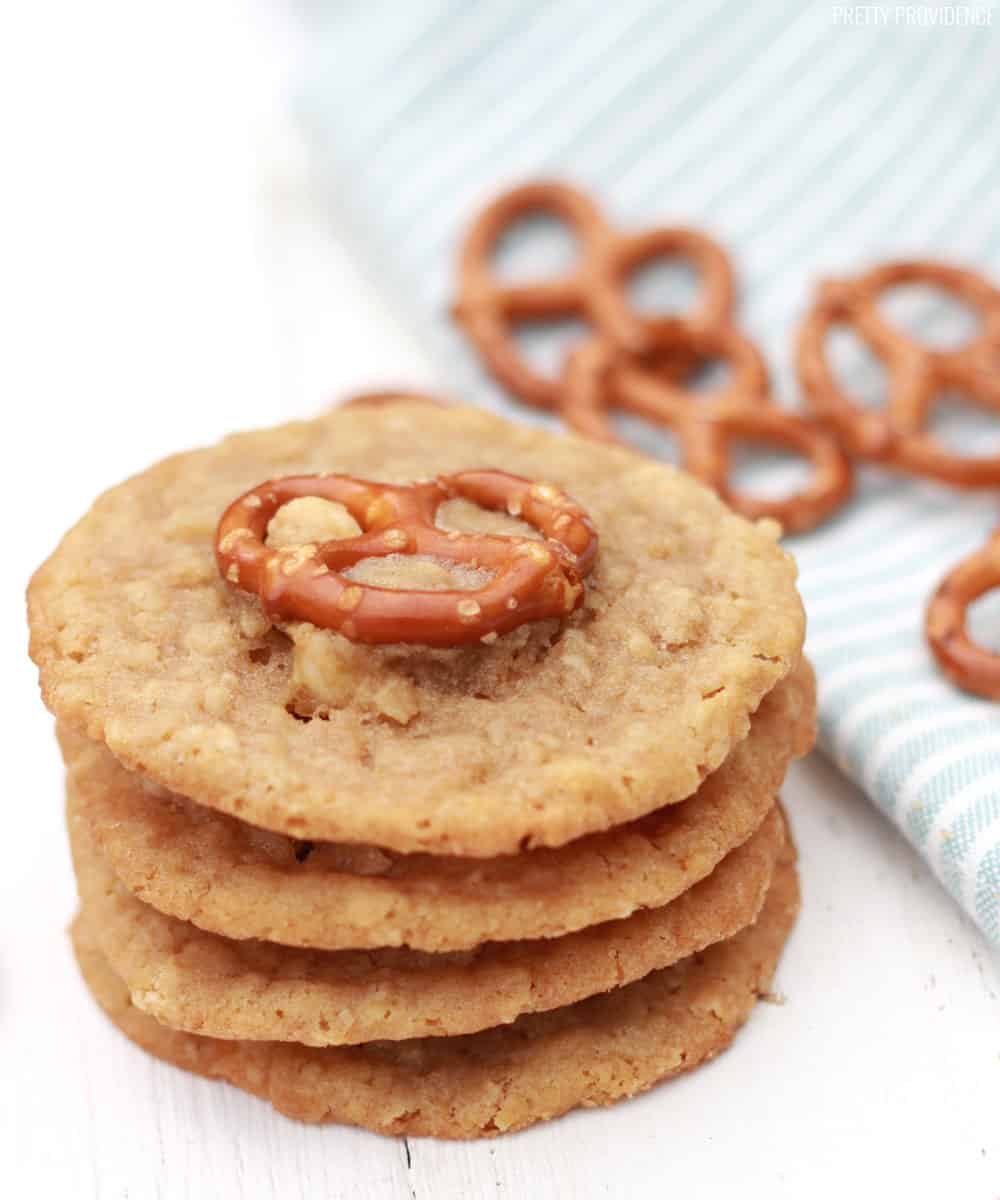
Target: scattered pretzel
898	437
382	399
594	290
530	580
638	364
635	361
967	664
599	377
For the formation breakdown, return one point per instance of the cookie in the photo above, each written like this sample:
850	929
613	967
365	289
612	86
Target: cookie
203	983
590	1053
558	729
231	878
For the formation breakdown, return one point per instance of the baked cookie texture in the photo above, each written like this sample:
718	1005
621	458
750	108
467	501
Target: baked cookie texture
204	983
229	877
587	1054
446	891
557	730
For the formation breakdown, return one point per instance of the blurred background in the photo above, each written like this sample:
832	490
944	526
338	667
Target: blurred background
809	138
253	156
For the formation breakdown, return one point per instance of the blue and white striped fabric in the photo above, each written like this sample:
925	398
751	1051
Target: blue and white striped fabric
811	139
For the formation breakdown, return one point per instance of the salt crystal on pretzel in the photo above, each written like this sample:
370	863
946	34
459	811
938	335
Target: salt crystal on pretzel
529	580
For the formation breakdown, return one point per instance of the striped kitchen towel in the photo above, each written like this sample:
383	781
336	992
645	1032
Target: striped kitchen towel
811	139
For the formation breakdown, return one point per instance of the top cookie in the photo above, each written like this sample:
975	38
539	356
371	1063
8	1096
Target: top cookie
554	730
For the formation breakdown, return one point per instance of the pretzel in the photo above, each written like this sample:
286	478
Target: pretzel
971	666
594	290
383	399
599	377
531	579
898	437
976	291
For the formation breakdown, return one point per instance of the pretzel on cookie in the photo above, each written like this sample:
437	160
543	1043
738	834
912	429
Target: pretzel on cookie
971	666
599	377
530	579
595	289
898	436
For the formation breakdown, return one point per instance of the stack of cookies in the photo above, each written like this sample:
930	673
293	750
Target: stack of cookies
422	768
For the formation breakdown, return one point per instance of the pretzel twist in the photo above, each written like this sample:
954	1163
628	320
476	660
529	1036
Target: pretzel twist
594	290
966	663
898	437
530	579
600	377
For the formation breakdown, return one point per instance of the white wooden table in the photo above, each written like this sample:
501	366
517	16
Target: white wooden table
181	281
